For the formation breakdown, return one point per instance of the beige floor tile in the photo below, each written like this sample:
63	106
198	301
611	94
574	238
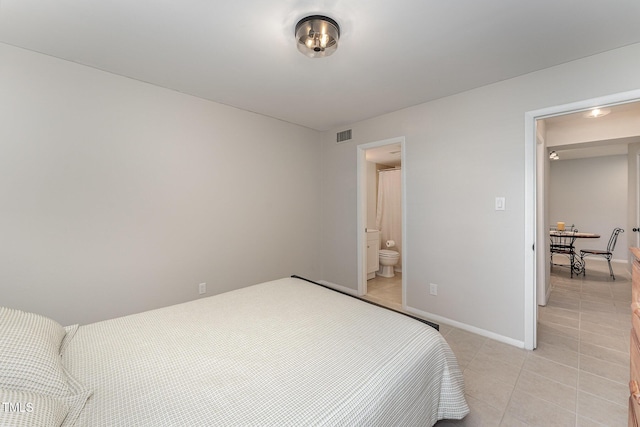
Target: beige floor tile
487	388
564	342
559	312
586	422
509	421
500	370
552	370
602	411
600	294
603	388
558	354
619	343
623	308
537	412
604	369
618	320
566	287
481	414
556	329
567	303
597	307
560	320
545	389
565	295
445	329
503	352
617	357
603	329
389	289
465	345
596	292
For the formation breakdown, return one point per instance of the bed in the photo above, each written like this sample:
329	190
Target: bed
284	352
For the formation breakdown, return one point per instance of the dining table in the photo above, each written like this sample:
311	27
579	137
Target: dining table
577	265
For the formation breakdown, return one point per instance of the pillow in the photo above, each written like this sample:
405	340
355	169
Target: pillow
29	353
30	361
20	408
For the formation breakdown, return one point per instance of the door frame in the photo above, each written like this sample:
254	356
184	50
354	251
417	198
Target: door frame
534	177
636	204
362	209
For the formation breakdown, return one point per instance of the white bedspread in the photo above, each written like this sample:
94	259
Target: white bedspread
279	353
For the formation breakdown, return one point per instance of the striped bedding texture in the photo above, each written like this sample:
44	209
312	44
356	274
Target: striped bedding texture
284	352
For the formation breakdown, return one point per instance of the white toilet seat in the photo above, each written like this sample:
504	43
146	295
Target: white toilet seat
386	253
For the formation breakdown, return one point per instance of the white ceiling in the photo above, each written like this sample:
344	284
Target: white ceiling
392	54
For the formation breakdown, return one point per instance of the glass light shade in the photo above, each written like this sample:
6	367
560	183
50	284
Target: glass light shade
597	112
317	36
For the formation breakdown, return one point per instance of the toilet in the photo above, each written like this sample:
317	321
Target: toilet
388	260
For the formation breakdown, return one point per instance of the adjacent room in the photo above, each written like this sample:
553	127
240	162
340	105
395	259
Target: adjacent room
203	153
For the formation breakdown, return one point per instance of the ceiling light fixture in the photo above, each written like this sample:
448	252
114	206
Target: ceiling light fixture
597	112
317	36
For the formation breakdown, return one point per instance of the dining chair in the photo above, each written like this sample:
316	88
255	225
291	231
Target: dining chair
606	254
562	243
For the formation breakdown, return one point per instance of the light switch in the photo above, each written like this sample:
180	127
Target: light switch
500	203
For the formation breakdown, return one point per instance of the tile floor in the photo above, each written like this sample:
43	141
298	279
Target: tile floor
577	376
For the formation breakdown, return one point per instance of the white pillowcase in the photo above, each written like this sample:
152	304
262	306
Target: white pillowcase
30	362
30	353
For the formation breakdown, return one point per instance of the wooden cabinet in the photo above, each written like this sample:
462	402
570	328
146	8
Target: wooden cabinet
634	342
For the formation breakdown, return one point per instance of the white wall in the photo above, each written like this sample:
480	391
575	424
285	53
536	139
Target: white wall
117	196
591	193
462	151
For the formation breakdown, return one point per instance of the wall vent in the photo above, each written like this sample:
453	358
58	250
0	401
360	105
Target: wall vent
343	136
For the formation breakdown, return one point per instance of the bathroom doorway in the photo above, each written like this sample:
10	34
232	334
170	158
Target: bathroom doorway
381	222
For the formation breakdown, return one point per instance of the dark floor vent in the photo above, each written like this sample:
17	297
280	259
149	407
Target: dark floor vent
343	136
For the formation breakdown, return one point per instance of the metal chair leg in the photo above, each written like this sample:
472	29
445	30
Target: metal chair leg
611	270
571	259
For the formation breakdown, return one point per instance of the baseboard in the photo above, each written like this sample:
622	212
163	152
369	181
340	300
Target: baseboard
465	327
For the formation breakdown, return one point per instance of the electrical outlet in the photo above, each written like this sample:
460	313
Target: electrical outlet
202	288
433	289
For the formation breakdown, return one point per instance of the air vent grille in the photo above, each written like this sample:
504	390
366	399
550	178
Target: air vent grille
343	136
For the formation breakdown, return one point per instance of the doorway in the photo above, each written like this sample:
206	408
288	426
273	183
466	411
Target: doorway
374	157
536	220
